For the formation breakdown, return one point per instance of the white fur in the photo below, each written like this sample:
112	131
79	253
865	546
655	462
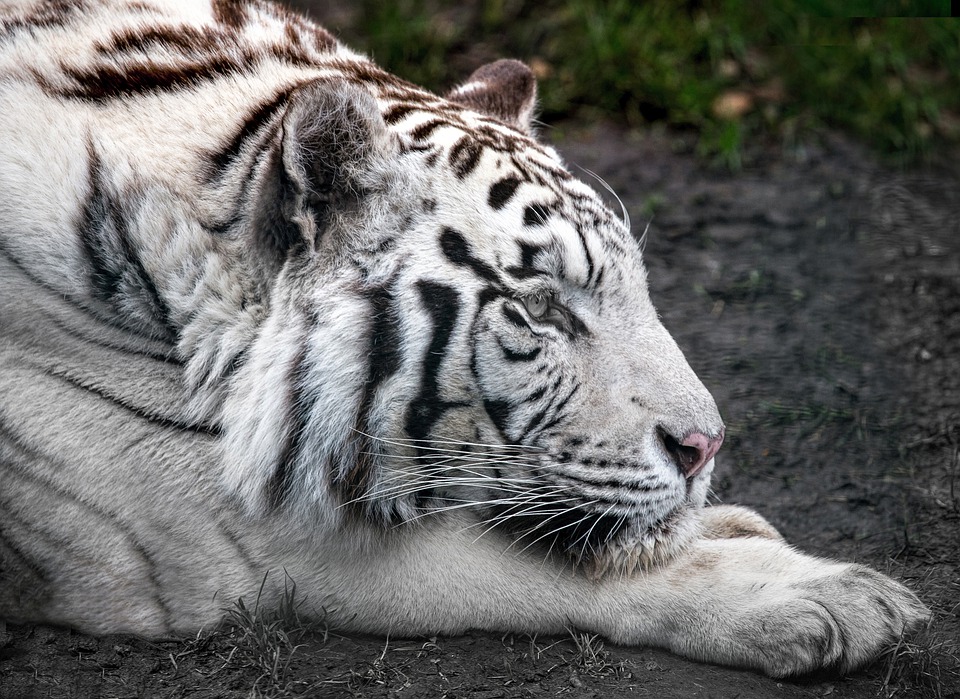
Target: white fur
138	453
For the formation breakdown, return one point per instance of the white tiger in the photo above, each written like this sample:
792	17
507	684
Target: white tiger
265	307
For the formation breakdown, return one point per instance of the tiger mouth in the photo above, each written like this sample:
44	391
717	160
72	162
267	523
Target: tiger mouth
598	543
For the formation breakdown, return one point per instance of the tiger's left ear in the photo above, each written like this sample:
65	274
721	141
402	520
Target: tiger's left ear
506	90
327	152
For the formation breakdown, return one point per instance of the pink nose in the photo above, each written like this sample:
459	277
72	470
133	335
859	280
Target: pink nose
694	452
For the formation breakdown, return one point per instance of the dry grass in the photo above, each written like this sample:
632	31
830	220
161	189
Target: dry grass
925	664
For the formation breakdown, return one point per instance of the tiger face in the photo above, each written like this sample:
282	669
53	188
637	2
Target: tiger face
461	324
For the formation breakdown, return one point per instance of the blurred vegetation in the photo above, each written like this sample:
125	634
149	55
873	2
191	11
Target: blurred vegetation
885	70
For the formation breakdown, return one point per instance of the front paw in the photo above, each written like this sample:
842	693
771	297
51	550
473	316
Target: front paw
835	622
758	603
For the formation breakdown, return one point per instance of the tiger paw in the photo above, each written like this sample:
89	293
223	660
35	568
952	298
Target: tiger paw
760	604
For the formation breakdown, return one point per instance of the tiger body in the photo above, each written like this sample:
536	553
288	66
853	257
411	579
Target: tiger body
266	309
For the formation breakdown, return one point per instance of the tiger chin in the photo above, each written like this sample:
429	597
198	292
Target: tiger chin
265	307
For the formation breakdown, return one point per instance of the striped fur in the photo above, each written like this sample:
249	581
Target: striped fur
264	307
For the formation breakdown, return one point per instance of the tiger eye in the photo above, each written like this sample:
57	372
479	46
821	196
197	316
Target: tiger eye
536	304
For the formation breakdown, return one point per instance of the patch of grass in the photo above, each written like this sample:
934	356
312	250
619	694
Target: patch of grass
266	639
926	664
592	658
887	71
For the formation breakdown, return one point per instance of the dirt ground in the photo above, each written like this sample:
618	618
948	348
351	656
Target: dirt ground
817	294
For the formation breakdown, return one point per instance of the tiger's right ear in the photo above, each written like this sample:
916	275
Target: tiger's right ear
320	163
505	89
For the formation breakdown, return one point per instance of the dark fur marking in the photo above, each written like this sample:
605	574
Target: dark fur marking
117	273
586	253
299	406
108	82
424	130
528	253
443	305
384	361
515	317
458	251
138	411
465	156
615	483
398	112
501	192
499	412
53	13
534	422
187	41
514	356
535	215
100	342
574	531
252	125
14	551
230	13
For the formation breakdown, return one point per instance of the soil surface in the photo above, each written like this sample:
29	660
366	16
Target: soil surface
818	296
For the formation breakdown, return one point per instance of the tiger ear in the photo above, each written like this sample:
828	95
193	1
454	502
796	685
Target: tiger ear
505	89
324	152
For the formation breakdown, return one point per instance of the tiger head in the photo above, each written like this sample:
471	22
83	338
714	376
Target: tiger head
453	322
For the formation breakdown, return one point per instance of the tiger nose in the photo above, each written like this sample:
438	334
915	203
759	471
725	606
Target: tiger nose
693	452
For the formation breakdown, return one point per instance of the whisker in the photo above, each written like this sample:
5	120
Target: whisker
554	532
535	504
586	535
623	208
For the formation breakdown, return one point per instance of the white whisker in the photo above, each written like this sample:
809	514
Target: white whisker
623	208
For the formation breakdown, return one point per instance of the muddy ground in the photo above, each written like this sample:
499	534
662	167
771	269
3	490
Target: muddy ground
817	293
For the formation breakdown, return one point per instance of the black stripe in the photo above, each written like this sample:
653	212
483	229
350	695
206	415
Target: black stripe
501	192
586	252
443	305
573	531
13	551
231	13
170	358
600	482
533	422
185	40
563	403
252	125
535	215
528	253
53	13
425	129
514	356
299	405
105	318
108	82
141	412
464	156
385	337
499	412
558	410
117	271
515	317
398	111
459	252
384	357
96	217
